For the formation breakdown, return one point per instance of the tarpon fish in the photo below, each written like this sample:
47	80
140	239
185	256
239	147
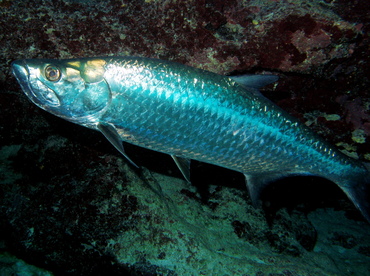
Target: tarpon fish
190	113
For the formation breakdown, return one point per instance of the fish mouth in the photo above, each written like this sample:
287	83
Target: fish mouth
21	73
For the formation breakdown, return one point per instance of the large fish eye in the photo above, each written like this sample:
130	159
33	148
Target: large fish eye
52	73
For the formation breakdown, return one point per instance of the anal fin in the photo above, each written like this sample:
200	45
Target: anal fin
256	184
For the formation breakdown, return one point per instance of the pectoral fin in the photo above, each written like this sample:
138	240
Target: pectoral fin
112	135
184	166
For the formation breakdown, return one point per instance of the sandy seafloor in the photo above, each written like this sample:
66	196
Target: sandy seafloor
71	205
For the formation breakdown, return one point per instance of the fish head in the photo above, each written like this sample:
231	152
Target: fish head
74	90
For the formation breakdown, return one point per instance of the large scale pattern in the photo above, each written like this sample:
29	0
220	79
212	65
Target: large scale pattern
212	120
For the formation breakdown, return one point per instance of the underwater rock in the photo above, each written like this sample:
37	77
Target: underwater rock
213	35
10	265
111	218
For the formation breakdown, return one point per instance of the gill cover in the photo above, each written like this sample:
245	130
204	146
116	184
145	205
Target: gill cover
72	89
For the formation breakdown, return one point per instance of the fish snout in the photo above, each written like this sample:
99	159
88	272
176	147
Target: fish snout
19	70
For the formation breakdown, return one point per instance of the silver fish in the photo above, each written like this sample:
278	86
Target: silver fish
190	114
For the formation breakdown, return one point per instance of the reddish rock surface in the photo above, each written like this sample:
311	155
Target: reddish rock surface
221	37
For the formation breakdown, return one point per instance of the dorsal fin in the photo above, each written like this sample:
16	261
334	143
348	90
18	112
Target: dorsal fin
254	81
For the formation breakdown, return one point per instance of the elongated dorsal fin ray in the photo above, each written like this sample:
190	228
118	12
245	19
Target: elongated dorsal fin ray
184	166
112	135
255	81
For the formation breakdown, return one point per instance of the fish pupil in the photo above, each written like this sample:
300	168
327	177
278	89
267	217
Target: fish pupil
52	73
